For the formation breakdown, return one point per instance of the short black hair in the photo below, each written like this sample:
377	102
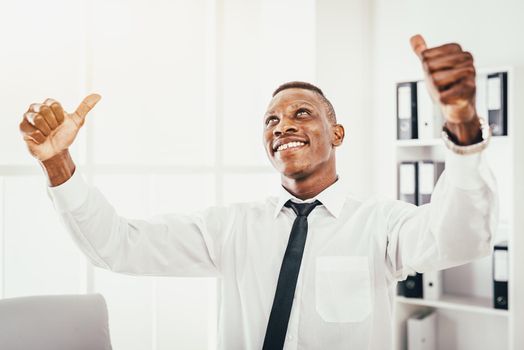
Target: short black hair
308	86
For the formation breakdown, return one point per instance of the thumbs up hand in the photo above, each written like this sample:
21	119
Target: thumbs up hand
47	129
450	78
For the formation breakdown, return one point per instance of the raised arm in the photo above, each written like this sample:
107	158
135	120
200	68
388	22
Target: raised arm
458	225
48	131
175	244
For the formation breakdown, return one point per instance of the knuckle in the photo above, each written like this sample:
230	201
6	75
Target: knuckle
45	109
30	117
35	107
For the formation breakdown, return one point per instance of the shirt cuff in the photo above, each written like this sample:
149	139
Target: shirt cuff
463	171
69	195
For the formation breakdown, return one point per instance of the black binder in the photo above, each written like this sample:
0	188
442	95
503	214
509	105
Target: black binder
412	286
407	127
497	103
500	276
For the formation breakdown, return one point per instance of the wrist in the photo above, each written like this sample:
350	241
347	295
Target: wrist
464	133
58	168
485	136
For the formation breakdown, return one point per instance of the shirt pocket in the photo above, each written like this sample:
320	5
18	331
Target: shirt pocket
343	288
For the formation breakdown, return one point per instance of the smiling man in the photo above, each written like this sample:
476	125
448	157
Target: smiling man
300	133
314	268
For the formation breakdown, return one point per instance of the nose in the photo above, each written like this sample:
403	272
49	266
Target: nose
285	126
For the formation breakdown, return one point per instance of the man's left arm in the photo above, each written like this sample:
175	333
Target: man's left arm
458	225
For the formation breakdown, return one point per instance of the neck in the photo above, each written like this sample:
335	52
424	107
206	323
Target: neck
309	186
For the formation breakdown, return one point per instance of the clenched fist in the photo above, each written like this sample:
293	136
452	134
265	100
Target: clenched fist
450	78
48	130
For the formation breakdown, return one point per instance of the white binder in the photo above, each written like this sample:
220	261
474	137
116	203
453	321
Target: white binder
422	331
432	285
428	113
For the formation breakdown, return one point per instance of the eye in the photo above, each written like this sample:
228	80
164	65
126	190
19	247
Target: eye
302	112
271	120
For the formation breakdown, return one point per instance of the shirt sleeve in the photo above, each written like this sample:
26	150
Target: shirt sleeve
456	227
163	245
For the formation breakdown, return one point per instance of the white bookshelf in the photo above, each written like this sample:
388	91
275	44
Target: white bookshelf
474	304
466	317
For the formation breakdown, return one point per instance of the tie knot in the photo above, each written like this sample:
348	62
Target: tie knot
302	209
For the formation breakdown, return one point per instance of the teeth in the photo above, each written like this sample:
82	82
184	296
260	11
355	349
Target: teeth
290	145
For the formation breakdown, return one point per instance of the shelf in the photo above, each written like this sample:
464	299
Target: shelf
438	142
457	302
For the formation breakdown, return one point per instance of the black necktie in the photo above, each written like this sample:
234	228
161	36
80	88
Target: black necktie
287	280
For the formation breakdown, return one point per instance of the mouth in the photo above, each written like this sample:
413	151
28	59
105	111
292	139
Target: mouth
289	146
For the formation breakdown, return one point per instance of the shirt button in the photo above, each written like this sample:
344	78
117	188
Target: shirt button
290	337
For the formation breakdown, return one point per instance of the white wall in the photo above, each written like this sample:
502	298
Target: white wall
343	72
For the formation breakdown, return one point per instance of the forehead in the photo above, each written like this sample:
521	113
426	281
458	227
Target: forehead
289	97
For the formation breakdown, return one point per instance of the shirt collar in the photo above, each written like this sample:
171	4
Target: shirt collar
333	198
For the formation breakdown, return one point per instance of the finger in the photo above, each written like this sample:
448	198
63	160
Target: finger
38	121
460	91
86	105
49	116
418	44
57	109
455	60
31	133
34	107
36	136
443	78
445	49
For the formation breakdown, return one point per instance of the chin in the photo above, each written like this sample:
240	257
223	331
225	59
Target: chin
293	171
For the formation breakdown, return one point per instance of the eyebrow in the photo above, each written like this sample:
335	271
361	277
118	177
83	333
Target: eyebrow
292	106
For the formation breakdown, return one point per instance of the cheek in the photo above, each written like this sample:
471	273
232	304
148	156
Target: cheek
323	143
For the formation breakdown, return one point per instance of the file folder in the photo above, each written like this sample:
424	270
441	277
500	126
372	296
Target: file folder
432	281
500	276
412	286
497	103
428	174
429	115
407	111
422	331
408	182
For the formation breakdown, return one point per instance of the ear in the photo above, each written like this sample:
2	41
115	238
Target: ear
338	135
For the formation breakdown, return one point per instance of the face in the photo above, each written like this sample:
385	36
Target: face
298	136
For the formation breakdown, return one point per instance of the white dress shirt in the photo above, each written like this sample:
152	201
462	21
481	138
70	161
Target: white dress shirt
355	252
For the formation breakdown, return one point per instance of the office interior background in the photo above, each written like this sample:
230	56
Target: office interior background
184	85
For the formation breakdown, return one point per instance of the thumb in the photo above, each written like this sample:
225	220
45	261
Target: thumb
418	44
86	105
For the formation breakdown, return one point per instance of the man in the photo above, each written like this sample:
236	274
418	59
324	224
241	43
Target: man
311	269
